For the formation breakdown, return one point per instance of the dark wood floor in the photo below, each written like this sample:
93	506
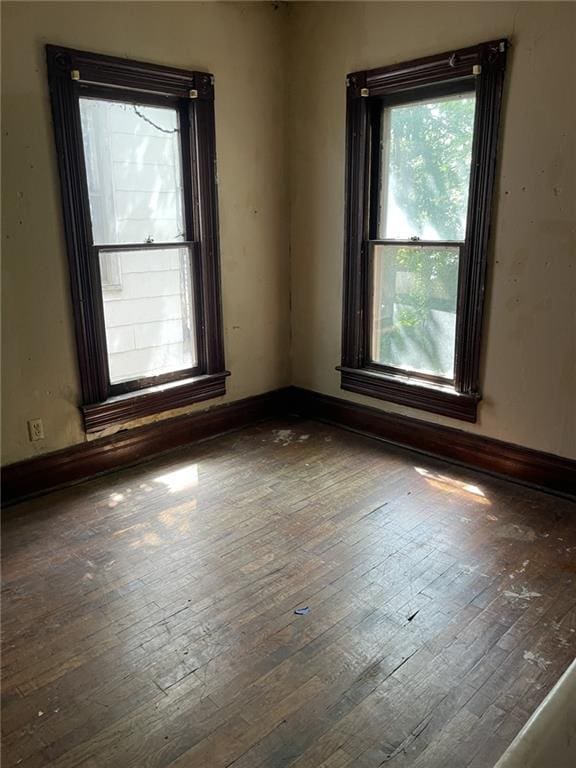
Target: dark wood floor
149	620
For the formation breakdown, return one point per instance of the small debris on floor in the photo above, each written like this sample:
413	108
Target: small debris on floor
302	611
411	618
516	532
283	436
534	658
524	594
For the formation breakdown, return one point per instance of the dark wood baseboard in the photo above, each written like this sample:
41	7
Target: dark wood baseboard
106	454
514	462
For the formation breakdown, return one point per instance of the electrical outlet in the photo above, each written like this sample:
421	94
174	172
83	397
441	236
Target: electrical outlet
36	429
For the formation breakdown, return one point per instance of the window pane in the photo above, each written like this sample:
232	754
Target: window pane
426	155
414	317
134	172
148	312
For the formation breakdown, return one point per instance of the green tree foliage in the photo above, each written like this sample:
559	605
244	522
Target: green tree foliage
429	165
423	307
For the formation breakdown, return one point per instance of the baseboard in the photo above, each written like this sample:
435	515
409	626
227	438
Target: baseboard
514	462
106	454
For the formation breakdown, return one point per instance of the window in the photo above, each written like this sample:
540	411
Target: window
136	154
421	157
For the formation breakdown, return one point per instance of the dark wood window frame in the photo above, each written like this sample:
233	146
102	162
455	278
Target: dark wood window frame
73	74
480	69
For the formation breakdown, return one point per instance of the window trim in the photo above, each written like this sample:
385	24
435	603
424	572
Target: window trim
72	73
426	76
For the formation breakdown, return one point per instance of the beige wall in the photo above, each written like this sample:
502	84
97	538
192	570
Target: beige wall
529	360
528	371
242	45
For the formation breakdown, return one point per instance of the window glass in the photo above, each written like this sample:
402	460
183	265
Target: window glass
414	308
148	313
426	155
134	172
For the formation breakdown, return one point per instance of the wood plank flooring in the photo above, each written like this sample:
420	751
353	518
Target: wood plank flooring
148	616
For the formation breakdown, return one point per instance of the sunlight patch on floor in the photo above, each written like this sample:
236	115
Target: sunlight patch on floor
450	485
181	479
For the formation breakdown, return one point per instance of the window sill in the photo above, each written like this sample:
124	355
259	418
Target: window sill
134	405
403	390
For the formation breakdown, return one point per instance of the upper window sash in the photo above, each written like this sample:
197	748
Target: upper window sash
134	165
421	172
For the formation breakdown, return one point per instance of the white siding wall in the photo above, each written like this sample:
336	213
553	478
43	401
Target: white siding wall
147	325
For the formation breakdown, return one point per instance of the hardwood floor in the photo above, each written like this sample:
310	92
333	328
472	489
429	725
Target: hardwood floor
148	616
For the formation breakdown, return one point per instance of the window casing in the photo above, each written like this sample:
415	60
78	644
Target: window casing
414	285
136	153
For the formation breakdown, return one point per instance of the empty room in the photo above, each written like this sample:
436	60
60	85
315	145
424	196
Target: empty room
288	384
